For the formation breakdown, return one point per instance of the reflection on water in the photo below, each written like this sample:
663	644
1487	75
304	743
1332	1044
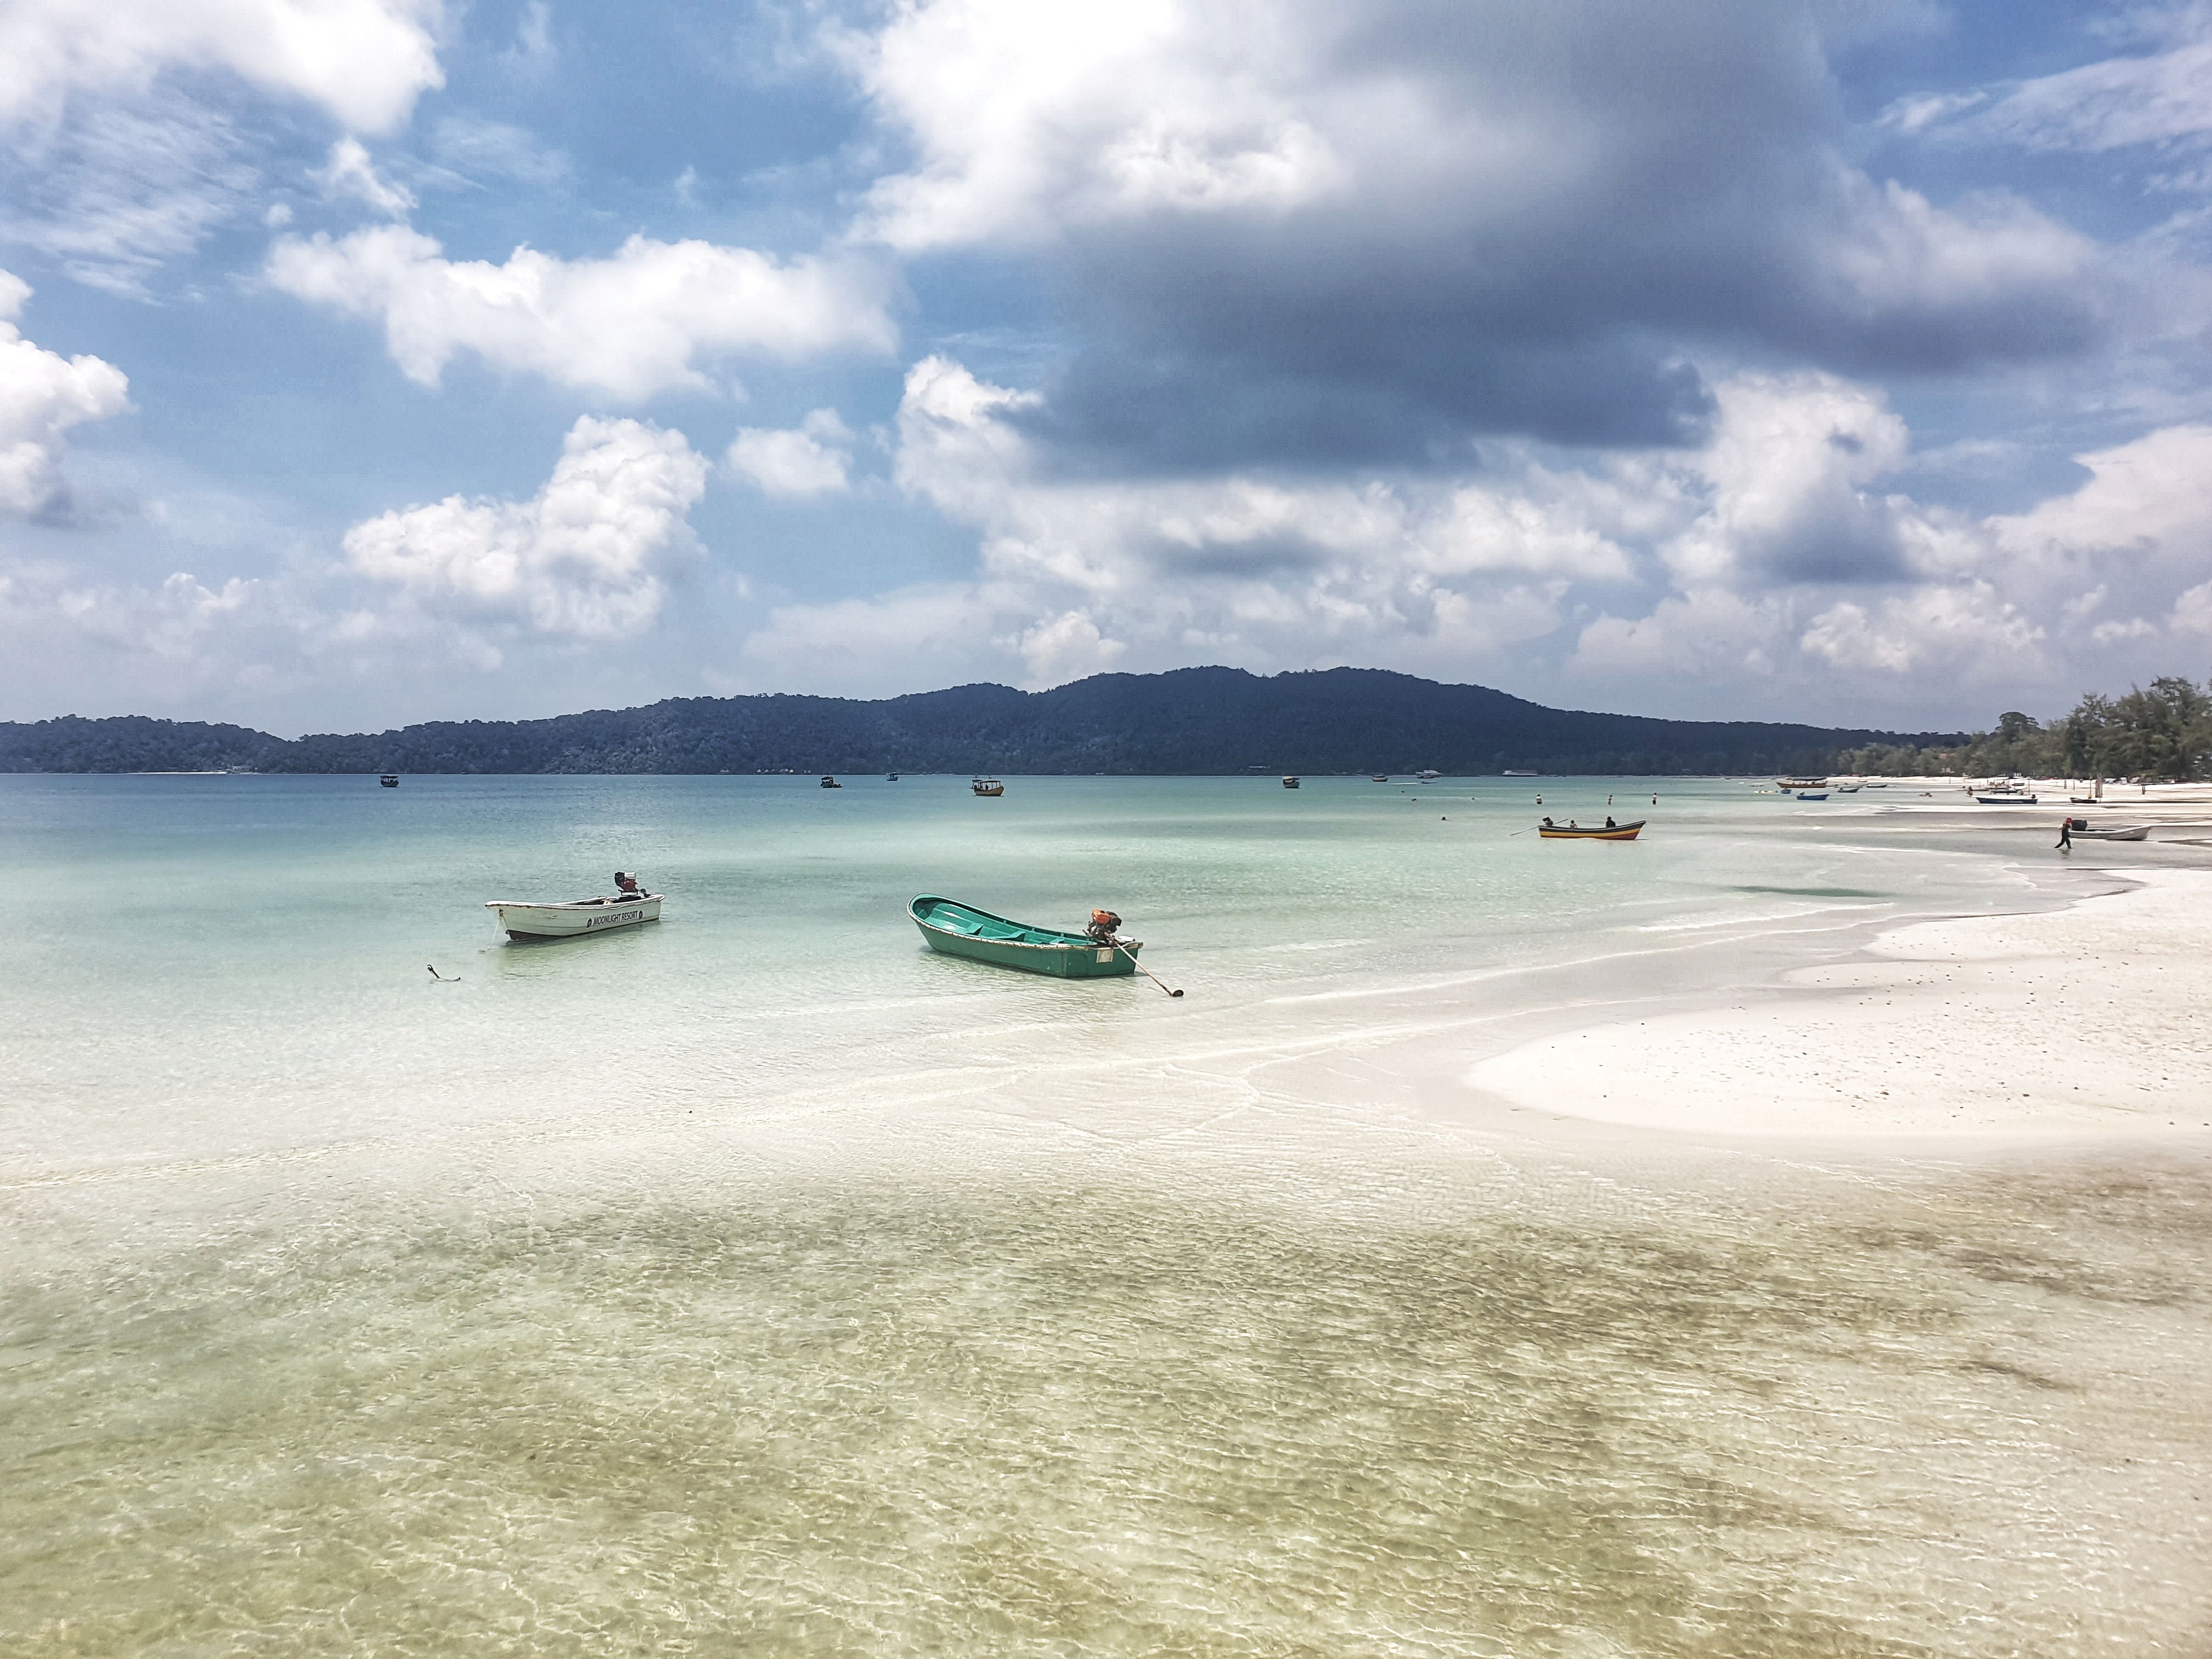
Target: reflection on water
1526	1415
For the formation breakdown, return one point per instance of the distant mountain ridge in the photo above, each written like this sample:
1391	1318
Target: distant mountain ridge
1192	720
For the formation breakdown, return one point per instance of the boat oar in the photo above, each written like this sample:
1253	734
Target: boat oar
1146	971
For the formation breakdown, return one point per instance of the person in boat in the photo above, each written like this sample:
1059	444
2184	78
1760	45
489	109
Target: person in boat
1548	825
1609	823
626	886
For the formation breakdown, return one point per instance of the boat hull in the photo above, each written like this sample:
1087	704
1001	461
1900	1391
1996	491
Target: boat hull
2137	832
2006	800
960	930
576	919
1618	832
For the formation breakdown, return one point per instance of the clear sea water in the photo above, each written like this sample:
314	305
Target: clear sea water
760	1283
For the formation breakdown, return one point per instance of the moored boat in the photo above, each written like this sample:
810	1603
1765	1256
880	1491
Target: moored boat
2080	830
1289	782
986	786
572	918
1549	831
831	783
1812	794
2006	797
390	780
960	930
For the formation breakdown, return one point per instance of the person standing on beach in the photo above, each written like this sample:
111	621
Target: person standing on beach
2065	834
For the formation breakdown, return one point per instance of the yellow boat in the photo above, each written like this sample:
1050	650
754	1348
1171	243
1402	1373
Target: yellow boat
1548	830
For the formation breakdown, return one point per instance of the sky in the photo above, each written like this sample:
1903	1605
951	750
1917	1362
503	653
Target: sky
364	362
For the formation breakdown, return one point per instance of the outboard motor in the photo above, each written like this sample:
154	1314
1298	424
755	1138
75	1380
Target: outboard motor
1104	924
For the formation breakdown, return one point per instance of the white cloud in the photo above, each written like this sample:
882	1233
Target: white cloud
2161	96
365	61
1027	116
1771	557
639	323
813	459
348	173
2192	610
42	395
113	194
581	558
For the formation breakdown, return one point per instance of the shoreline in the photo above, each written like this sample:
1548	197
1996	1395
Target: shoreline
2078	1024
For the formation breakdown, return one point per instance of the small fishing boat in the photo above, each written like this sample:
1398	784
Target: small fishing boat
986	786
891	777
572	918
2006	797
390	780
1787	784
1380	777
1812	794
960	930
1549	831
831	783
2080	830
1428	777
1289	782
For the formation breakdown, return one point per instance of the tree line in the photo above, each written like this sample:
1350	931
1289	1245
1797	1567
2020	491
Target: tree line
2161	732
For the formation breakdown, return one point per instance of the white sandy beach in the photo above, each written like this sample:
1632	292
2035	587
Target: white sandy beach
2090	1021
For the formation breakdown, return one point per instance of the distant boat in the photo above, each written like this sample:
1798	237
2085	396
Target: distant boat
1812	794
960	930
1600	832
573	918
1289	782
986	786
1380	777
1847	788
891	777
1510	774
390	780
2006	797
2080	831
1428	777
831	783
1801	783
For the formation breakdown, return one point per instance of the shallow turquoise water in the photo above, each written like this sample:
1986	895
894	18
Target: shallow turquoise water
759	1282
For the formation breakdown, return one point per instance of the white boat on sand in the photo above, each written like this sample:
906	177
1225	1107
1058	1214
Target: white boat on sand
572	918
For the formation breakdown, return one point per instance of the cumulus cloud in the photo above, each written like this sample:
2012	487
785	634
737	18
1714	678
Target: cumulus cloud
364	62
42	395
582	558
813	459
1776	555
642	322
1296	236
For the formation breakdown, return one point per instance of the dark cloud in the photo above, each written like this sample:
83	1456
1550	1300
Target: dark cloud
1544	213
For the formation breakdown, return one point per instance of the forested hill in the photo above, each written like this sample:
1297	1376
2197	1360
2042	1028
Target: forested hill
1190	720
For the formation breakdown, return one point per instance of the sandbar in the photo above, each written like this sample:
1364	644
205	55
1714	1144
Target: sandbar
2091	1021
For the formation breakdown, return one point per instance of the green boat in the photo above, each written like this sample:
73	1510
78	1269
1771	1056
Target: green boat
960	930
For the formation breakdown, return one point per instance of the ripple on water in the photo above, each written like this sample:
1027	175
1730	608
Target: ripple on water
1546	1418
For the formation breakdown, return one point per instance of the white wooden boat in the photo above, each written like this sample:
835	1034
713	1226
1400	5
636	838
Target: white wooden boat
990	787
2131	832
572	918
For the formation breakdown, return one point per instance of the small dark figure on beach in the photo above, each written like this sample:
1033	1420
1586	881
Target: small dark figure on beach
2065	834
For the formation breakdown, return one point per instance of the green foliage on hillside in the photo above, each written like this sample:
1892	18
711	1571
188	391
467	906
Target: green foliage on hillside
1190	720
2161	733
